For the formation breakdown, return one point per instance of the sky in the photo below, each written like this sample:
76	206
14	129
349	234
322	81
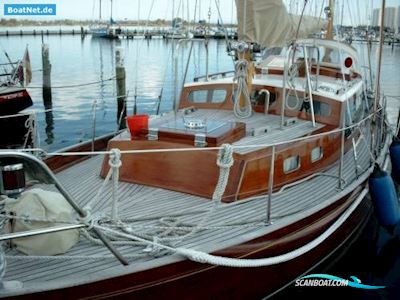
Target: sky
354	11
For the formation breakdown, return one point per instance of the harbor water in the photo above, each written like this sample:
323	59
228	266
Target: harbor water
83	72
84	93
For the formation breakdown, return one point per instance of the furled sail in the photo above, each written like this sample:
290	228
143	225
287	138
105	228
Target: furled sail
268	23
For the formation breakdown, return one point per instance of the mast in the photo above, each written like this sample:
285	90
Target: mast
111	18
173	12
138	14
378	67
100	10
329	32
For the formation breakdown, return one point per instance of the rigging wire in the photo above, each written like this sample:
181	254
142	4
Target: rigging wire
301	18
77	85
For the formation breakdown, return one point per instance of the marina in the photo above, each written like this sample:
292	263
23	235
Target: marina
201	162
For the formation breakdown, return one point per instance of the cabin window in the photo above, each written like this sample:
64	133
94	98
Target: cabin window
291	164
316	154
207	96
200	96
321	109
218	96
356	108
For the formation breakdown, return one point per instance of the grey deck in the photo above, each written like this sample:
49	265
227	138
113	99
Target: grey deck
144	206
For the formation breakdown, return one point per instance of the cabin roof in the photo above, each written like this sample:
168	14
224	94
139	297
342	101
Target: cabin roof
327	86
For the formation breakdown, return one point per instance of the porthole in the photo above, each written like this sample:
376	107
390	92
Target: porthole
291	164
316	154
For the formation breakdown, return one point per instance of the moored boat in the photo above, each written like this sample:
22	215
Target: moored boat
250	182
14	98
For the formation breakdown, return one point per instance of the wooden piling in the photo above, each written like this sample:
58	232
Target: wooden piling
46	66
121	86
82	33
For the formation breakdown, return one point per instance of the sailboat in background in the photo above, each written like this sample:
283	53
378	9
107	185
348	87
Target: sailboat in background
108	31
178	30
250	182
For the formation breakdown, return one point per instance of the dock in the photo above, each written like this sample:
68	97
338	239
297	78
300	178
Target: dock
34	32
123	34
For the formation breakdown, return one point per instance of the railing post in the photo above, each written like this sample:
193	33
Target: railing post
207	58
93	123
355	156
270	184
285	74
341	159
309	88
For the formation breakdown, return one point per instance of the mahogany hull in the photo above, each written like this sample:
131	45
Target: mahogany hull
187	279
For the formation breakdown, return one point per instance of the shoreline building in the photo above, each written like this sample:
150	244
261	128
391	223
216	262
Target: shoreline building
392	18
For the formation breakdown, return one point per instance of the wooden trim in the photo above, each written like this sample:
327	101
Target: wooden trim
227	104
194	172
228	133
59	163
334	119
324	71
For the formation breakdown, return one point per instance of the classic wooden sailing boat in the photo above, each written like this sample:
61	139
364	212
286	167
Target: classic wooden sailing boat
235	193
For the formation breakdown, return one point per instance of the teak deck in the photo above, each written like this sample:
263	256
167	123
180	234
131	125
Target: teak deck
143	206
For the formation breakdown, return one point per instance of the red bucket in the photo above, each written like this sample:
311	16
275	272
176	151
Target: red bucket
137	124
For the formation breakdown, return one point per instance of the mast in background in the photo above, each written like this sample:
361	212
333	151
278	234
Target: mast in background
379	63
111	17
331	13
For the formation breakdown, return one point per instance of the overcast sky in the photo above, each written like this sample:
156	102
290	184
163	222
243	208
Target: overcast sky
355	11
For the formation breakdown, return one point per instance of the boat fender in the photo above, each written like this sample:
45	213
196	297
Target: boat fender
33	206
394	150
384	197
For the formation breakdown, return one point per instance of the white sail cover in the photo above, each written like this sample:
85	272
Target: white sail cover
268	23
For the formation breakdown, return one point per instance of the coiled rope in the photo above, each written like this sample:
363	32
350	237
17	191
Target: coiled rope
225	162
240	112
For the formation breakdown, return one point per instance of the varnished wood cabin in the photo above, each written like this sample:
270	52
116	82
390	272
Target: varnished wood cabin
211	101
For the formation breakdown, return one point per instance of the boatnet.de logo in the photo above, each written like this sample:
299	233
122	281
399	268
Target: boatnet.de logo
330	280
30	9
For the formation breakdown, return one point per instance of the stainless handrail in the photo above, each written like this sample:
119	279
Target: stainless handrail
355	156
94	106
266	101
309	86
42	170
285	75
222	73
318	64
270	185
22	234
